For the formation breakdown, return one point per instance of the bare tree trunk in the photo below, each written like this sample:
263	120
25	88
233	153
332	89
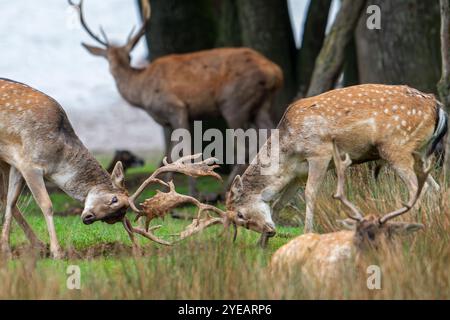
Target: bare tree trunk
313	37
406	50
332	56
444	83
229	26
266	27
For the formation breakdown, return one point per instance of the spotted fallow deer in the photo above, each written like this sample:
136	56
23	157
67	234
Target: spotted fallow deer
238	84
369	122
323	255
37	143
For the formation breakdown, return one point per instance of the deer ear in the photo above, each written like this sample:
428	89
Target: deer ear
96	51
404	228
236	189
118	176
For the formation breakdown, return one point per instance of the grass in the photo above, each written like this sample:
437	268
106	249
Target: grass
209	266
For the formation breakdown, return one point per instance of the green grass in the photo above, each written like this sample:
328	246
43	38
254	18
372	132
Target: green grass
211	266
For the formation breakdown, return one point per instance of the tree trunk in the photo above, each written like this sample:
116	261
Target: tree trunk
313	37
229	26
406	49
180	26
266	27
332	56
444	83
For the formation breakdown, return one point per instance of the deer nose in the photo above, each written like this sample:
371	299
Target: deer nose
89	219
270	230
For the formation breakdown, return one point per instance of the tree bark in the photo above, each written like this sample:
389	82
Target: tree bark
406	49
180	26
313	37
266	27
332	56
444	83
229	26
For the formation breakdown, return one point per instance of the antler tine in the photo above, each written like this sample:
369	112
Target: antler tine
79	7
341	167
147	234
133	40
197	169
423	169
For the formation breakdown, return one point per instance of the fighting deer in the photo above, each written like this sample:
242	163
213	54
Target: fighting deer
238	84
369	122
38	143
321	255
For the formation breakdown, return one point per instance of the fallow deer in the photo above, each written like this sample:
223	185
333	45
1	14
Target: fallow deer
238	84
322	255
369	122
37	143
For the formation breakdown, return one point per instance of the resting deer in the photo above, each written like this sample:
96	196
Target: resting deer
237	84
128	159
38	143
322	255
369	122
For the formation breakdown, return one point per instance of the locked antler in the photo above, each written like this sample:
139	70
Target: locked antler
163	202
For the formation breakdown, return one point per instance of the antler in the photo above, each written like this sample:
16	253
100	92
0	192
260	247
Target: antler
192	169
133	40
422	169
79	7
164	202
341	167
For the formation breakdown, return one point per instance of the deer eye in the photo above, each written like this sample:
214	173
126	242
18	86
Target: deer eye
240	215
114	200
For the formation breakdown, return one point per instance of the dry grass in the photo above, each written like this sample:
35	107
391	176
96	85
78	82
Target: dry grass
208	267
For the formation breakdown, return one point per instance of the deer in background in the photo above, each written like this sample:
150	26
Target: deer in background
37	143
368	122
237	84
128	160
322	255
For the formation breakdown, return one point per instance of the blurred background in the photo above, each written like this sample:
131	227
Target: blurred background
40	46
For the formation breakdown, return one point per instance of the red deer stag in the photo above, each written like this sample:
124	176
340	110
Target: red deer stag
238	84
321	256
369	122
37	143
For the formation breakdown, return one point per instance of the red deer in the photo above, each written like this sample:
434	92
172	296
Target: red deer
37	143
369	122
238	84
321	256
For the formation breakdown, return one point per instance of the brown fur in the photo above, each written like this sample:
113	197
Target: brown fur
37	142
369	122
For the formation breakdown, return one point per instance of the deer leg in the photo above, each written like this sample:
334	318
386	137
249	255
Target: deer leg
15	187
405	170
35	181
316	173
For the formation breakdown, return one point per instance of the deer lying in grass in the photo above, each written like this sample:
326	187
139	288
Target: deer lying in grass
322	255
238	84
38	143
128	159
369	122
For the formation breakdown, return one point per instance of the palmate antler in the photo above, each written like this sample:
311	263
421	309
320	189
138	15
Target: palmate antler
163	202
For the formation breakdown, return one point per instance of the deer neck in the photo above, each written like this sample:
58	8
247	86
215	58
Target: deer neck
79	173
128	82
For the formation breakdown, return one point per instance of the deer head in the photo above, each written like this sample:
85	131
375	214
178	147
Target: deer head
107	204
372	230
116	55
